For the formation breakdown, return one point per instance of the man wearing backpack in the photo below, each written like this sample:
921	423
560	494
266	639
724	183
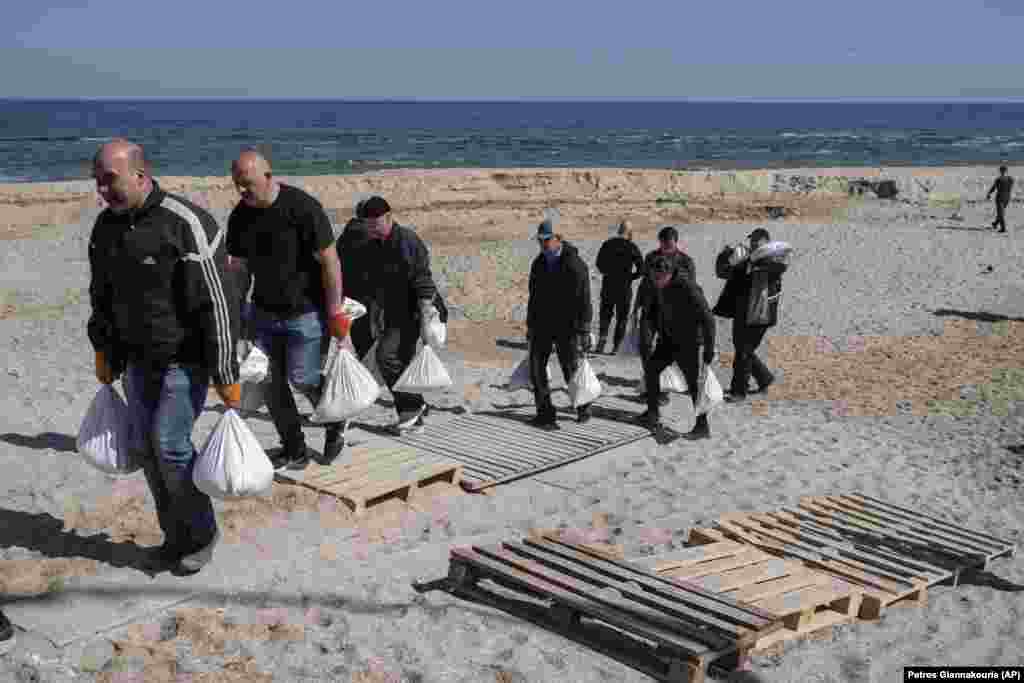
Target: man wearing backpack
751	298
559	314
165	316
284	238
620	262
387	269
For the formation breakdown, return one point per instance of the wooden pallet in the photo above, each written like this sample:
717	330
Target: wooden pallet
669	631
368	475
902	529
887	577
804	600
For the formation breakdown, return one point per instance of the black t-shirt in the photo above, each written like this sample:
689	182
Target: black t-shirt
278	244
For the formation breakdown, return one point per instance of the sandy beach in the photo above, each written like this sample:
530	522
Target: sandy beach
900	364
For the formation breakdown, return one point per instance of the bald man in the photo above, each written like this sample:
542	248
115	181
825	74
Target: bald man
284	238
164	319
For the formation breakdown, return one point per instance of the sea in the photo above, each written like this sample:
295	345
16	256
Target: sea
51	140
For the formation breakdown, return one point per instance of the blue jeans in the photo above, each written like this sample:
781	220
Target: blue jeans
295	347
165	402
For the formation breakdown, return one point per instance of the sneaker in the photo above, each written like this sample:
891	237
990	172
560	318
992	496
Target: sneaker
735	398
198	558
334	443
286	461
162	557
545	421
410	420
699	431
6	633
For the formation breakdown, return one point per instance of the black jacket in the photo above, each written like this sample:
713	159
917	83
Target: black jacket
682	314
752	295
159	288
390	276
559	302
684	266
619	261
1003	187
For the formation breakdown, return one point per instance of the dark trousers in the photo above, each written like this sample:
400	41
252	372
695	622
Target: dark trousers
540	353
745	340
686	356
1000	221
396	347
616	298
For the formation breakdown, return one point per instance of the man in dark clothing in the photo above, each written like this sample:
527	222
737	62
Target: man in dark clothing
1003	187
620	262
283	237
748	285
387	269
165	316
647	295
559	314
686	336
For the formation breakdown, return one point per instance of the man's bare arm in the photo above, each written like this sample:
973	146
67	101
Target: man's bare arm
330	267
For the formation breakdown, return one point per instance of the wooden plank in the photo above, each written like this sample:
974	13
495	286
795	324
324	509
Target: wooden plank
875	525
921	517
801	600
743	558
744	614
695	645
632	591
757	592
818	622
690	556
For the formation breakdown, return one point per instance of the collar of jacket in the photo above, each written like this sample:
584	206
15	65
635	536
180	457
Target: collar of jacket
156	196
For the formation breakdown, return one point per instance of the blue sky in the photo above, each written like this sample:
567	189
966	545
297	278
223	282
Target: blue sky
528	48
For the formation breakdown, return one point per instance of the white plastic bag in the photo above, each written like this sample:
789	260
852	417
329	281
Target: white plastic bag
672	379
232	463
774	251
352	309
521	379
105	437
435	333
349	388
425	373
255	367
585	387
712	393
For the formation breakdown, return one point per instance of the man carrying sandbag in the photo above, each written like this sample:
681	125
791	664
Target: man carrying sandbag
165	315
751	298
387	269
686	336
620	262
559	314
647	294
285	239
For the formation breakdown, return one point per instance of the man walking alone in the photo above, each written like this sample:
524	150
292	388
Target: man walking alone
1003	187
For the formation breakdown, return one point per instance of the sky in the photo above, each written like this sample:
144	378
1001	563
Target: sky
462	49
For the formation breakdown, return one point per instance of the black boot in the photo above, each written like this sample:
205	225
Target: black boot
334	443
701	430
583	414
545	419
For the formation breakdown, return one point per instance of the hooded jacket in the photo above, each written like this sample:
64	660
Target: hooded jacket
390	276
159	289
681	313
559	302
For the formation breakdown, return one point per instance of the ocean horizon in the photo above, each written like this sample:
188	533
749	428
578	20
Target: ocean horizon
54	139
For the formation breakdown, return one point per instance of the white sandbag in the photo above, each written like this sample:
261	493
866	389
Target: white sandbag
435	333
425	373
349	388
232	463
712	393
672	379
104	439
352	309
255	367
585	387
772	251
521	379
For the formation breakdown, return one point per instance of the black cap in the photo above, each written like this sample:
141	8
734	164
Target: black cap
759	234
668	233
545	230
373	207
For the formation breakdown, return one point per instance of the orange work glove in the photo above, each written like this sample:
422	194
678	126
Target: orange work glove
230	394
104	373
338	325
